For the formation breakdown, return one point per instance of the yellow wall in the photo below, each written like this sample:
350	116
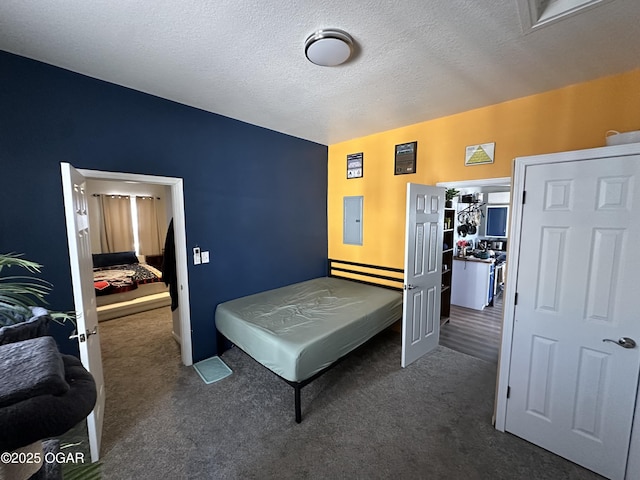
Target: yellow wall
570	118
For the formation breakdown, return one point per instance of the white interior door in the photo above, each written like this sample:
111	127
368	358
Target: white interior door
571	390
422	271
77	220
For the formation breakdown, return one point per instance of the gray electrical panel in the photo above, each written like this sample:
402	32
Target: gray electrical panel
352	227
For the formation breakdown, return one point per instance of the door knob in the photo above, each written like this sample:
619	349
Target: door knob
624	342
83	337
79	336
409	287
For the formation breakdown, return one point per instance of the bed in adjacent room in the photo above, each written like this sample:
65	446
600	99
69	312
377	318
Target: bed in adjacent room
300	330
125	285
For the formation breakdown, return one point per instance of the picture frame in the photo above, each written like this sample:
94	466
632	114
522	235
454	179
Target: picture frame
479	154
355	165
405	158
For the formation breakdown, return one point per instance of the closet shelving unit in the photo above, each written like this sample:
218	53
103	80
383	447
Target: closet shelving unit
447	263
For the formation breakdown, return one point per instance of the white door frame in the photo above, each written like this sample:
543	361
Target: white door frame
177	205
504	361
483	182
510	281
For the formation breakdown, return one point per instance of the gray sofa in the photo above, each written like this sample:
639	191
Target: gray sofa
43	393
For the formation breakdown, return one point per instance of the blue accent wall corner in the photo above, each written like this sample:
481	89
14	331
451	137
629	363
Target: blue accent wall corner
255	198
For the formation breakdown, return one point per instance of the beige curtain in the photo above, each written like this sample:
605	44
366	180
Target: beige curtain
116	228
150	241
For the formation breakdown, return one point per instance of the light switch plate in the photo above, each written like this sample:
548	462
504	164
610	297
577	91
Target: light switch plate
205	257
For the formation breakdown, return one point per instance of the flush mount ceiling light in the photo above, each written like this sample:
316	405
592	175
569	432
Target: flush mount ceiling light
329	47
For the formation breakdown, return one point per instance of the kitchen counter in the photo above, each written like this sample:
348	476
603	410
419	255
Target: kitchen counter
475	259
471	282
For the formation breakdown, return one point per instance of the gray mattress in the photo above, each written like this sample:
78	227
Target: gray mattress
298	330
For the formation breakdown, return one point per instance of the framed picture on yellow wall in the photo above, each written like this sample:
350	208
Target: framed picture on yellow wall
405	159
355	165
479	154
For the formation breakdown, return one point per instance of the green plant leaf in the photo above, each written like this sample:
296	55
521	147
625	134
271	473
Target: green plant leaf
13	259
18	293
450	193
85	471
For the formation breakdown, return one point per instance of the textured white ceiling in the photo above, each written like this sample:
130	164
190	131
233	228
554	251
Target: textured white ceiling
416	60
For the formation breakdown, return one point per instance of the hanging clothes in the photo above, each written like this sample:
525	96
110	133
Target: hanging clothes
169	271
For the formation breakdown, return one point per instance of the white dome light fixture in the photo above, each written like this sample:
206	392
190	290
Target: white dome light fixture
328	48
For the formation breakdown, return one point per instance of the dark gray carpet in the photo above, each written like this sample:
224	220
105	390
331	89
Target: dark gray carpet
366	418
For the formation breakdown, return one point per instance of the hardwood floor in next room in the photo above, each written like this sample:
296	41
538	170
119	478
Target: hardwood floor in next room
474	332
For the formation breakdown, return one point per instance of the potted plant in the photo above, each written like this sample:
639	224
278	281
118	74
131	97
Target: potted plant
449	194
22	298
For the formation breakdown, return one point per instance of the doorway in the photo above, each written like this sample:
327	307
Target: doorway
175	209
474	323
75	196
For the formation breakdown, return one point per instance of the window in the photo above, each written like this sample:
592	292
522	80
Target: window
497	221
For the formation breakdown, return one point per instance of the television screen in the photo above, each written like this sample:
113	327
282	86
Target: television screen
496	223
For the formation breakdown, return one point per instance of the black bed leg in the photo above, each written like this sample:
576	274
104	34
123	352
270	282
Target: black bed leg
298	409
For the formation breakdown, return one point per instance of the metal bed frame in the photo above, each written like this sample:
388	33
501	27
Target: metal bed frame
337	269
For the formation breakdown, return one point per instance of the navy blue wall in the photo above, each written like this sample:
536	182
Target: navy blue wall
254	197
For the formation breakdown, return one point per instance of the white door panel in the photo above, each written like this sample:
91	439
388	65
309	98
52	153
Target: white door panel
80	258
570	391
422	271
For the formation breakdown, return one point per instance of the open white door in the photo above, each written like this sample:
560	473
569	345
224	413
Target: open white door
77	220
573	363
422	271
